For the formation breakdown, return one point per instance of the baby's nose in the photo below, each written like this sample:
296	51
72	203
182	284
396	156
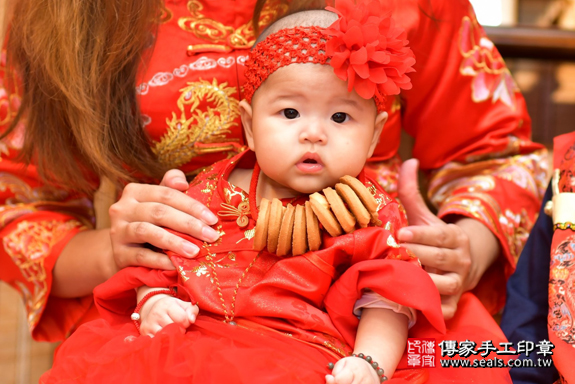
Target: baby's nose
314	132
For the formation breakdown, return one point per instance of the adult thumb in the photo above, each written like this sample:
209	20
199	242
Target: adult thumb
175	179
410	195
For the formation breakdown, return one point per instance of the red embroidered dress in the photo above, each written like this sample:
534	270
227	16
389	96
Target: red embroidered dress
468	120
293	314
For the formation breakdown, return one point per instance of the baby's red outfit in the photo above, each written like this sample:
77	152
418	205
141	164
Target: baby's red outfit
292	315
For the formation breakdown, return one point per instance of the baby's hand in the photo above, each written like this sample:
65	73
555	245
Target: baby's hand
161	310
352	370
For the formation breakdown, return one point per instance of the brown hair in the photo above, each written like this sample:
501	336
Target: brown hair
77	62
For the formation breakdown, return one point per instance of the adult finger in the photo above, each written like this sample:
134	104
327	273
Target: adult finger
170	197
444	259
449	305
448	284
410	196
142	232
144	257
444	235
165	216
176	179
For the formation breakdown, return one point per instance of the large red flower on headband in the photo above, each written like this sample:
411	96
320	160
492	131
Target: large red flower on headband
367	50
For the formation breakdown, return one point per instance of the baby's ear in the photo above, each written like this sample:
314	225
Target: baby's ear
247	118
380	121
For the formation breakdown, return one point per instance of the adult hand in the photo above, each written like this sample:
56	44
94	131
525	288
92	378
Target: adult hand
444	249
137	218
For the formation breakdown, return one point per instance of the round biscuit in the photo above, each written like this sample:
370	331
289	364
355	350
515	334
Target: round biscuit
354	204
364	195
261	232
274	224
299	244
320	207
312	228
286	231
343	216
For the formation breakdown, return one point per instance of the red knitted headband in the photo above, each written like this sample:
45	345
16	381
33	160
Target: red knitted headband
363	46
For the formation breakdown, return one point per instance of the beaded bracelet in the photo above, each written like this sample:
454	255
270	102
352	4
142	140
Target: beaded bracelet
136	315
374	365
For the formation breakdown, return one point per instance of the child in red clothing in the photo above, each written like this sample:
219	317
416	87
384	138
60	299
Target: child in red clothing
313	113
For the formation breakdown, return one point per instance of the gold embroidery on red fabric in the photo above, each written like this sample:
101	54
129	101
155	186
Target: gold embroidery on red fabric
26	200
248	235
561	292
165	14
216	32
457	187
386	173
476	203
28	245
195	132
481	60
381	199
241	212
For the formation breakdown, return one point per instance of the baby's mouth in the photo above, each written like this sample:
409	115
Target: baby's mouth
310	163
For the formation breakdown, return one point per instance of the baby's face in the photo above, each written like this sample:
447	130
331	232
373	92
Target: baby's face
307	130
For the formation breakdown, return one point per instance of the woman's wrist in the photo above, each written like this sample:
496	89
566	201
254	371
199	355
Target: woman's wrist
85	262
484	249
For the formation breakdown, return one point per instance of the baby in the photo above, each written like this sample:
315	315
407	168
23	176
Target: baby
308	128
313	112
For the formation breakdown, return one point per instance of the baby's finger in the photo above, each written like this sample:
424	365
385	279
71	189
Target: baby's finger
178	315
190	309
338	367
150	328
192	312
329	379
345	376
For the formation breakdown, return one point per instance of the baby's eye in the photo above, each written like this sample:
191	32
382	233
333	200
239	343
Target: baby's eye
340	117
290	113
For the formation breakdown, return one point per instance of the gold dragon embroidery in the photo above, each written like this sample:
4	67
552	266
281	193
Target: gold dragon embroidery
186	133
223	35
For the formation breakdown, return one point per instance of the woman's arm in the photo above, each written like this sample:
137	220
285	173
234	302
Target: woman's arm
456	255
471	135
93	256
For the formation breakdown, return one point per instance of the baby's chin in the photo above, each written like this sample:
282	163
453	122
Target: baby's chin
309	188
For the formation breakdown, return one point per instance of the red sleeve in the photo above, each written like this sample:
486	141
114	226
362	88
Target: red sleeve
381	265
36	222
472	132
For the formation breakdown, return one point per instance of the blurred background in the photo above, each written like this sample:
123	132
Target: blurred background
537	40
